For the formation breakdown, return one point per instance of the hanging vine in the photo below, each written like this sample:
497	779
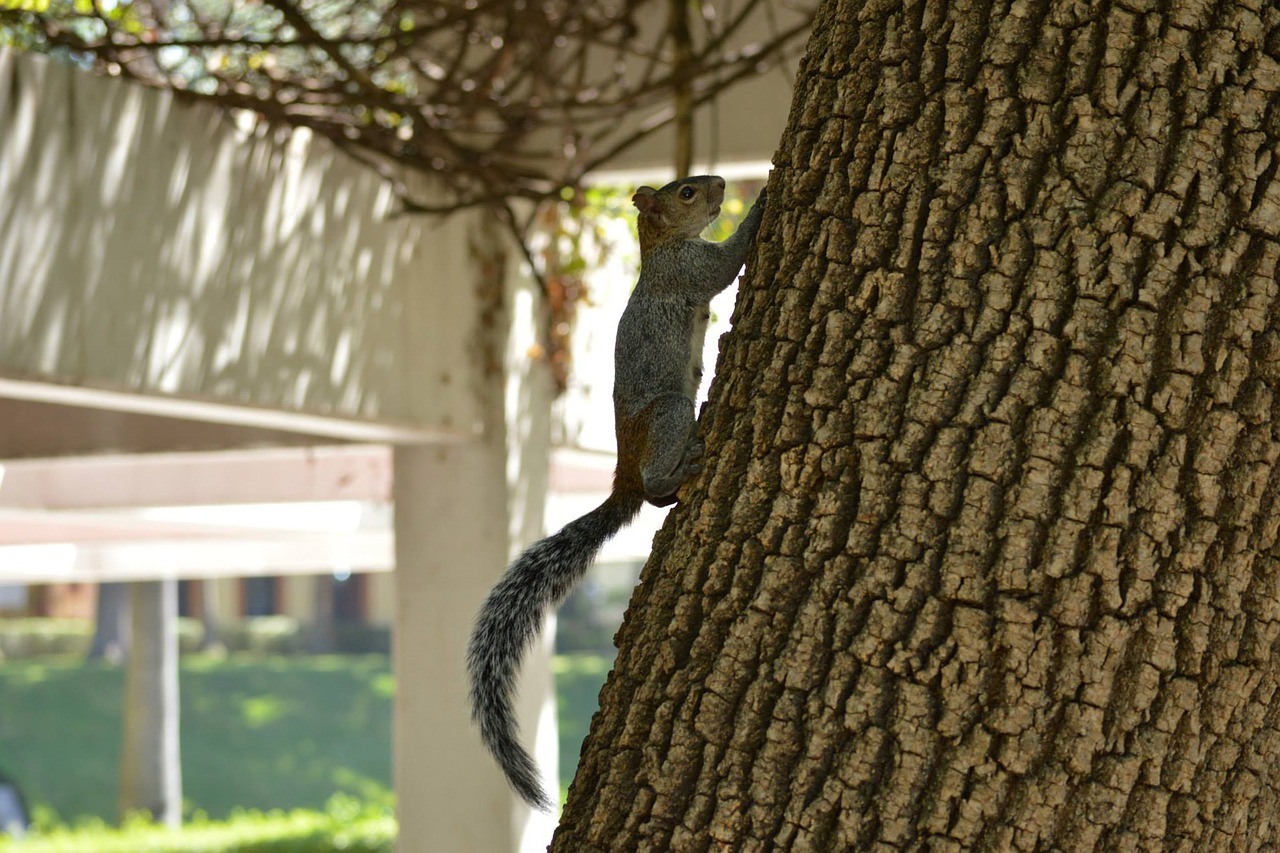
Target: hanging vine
496	100
574	240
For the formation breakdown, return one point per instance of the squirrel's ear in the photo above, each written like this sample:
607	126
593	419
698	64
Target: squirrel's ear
643	199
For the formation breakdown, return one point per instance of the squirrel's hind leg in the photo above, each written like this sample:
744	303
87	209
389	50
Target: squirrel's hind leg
673	448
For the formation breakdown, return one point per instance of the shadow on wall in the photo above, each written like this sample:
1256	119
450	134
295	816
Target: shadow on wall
153	246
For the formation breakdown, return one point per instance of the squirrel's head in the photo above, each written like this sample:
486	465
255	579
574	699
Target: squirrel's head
679	210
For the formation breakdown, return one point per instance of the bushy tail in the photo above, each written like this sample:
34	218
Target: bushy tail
508	624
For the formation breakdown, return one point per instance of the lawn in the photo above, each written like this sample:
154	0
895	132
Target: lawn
263	732
275	732
578	681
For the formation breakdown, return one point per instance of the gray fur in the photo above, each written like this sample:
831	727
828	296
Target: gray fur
658	355
655	348
508	624
657	368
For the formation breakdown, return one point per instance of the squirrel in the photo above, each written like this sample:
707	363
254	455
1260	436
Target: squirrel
657	370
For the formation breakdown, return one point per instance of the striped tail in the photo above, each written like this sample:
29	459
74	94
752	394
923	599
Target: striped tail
509	621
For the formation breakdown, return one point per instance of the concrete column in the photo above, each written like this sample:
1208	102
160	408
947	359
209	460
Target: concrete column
150	771
462	511
452	541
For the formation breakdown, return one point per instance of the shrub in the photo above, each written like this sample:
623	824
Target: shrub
32	637
22	638
37	636
190	635
263	635
346	826
357	638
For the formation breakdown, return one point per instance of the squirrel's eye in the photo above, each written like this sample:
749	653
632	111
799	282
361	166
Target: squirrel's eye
687	193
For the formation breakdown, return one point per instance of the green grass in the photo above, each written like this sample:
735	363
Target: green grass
263	733
268	733
579	678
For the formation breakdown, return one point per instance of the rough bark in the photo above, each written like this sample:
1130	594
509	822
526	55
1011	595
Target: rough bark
150	771
985	554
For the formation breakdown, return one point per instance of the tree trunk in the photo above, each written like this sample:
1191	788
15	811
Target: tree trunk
111	623
984	556
210	593
322	635
150	771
